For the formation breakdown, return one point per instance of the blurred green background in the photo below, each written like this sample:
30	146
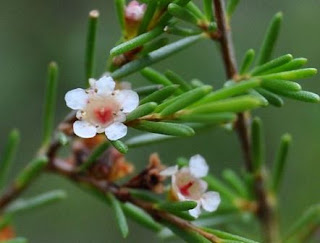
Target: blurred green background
32	33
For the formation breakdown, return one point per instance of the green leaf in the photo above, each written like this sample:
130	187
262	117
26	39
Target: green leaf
176	206
270	39
235	89
155	77
147	139
160	95
236	182
30	172
216	118
208	9
264	101
146	90
138	41
292	65
277	62
16	240
141	111
95	154
247	61
300	95
50	103
236	104
217	185
181	31
186	235
176	79
91	44
120	146
193	8
120	217
272	98
279	164
231	7
22	205
257	138
274	84
166	128
182	13
186	99
184	215
8	156
228	236
154	45
120	9
309	221
155	56
148	15
292	75
141	217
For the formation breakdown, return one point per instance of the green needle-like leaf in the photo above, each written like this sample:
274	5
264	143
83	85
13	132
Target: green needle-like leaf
30	172
292	75
44	199
177	206
160	95
181	31
182	13
292	65
235	89
148	15
120	217
120	146
91	44
16	240
270	39
279	164
302	95
231	7
236	182
247	61
176	79
136	42
277	62
208	9
228	236
120	8
280	85
95	154
147	139
272	98
193	8
166	128
154	45
186	99
257	144
155	77
8	156
237	104
50	102
146	90
141	217
141	111
215	118
155	56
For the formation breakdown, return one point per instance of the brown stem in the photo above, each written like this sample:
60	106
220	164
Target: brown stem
265	210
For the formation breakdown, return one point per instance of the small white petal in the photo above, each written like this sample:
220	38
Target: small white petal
195	212
76	99
128	100
84	129
120	117
169	171
203	186
92	82
105	85
198	166
116	131
210	201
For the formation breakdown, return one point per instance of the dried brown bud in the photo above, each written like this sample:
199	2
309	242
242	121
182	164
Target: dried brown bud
7	233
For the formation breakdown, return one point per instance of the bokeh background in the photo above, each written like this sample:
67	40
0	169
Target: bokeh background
32	33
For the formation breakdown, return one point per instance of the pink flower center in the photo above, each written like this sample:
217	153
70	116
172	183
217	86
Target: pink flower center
104	114
184	189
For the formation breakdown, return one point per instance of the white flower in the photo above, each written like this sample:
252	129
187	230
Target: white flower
187	185
101	108
134	11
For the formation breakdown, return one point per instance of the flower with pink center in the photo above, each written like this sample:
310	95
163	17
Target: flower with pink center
101	108
134	11
187	185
